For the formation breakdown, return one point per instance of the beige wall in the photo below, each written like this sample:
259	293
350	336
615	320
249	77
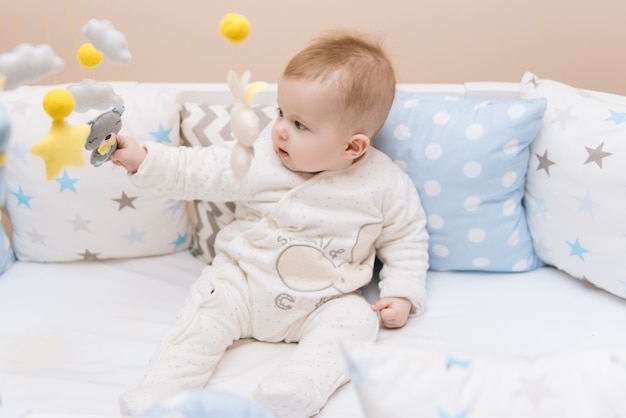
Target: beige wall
575	41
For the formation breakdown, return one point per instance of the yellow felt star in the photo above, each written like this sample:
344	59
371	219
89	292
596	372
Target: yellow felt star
63	146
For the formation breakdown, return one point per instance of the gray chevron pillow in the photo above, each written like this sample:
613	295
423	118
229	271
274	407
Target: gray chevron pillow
204	125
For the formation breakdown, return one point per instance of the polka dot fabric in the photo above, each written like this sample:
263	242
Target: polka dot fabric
468	159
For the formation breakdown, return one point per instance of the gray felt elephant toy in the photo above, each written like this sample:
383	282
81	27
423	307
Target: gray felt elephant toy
104	129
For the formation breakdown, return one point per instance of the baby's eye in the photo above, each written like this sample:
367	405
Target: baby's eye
299	125
279	112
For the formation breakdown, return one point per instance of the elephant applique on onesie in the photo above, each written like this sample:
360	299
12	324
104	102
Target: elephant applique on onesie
305	268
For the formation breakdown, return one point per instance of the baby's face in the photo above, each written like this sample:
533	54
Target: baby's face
308	134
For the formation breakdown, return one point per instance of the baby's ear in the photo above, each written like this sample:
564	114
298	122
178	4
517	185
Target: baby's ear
357	146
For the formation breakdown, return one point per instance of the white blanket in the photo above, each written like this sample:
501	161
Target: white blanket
74	336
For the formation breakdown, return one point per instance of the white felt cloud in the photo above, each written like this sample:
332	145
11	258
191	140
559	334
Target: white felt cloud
90	94
106	39
28	63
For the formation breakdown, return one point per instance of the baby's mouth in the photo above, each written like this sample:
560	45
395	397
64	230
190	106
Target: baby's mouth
282	153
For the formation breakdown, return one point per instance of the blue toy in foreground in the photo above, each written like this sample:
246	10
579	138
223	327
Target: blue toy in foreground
7	257
104	129
208	403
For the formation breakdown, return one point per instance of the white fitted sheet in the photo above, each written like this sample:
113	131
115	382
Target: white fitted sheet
74	336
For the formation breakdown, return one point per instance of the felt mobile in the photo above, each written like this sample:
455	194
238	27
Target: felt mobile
104	40
59	148
102	135
28	63
63	145
244	121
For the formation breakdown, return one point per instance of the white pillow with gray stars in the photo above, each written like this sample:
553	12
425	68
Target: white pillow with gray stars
576	183
90	213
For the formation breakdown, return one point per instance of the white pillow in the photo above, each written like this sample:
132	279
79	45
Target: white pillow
576	184
203	125
90	213
399	382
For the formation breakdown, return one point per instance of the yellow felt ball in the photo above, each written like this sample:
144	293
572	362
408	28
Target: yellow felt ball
64	143
58	103
235	27
88	56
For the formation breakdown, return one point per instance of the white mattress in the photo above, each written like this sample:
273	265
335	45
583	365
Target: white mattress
74	336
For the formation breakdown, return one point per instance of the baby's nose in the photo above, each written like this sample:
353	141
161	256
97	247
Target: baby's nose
281	132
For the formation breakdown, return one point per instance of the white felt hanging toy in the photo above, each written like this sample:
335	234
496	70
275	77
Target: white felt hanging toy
244	122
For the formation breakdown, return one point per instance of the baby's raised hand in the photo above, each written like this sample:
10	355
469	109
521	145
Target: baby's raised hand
129	154
394	311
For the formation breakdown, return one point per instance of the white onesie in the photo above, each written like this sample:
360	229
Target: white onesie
288	268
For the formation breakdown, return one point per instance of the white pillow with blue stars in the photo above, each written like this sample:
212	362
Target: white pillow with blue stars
576	191
396	381
468	160
90	213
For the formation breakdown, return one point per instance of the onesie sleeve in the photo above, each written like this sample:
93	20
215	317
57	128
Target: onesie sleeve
403	244
188	173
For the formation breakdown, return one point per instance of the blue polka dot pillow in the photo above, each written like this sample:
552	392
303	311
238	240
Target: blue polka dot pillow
90	213
468	160
576	188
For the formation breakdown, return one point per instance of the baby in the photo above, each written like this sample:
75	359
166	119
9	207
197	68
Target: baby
316	207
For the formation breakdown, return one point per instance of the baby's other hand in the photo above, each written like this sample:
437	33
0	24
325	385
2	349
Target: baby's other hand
129	154
394	311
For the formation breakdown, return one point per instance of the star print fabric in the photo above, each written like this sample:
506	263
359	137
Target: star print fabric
576	186
90	213
572	384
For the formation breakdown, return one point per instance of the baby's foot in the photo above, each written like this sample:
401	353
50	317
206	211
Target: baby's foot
290	395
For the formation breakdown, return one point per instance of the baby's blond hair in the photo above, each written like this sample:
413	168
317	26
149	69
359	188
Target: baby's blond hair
366	77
